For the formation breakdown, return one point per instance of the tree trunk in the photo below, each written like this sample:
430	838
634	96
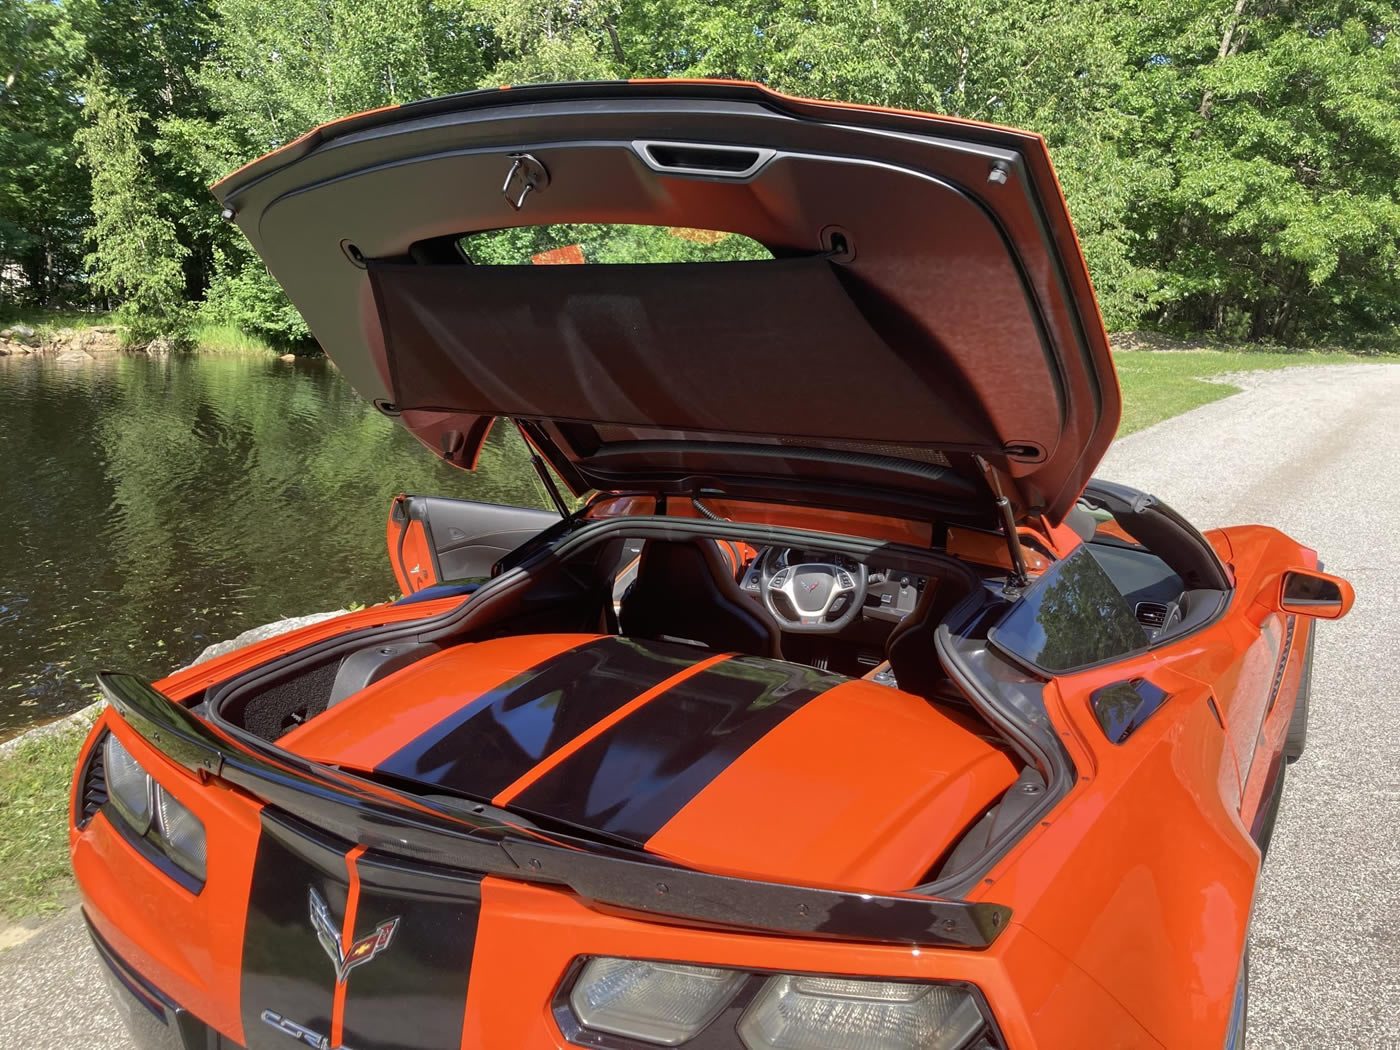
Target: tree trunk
1229	44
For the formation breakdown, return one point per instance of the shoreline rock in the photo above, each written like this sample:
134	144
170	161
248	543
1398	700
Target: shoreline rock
62	343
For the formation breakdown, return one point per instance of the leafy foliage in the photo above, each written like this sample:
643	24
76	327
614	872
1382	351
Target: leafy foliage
611	244
1229	163
138	256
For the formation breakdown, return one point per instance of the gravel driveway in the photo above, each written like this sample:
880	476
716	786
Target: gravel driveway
1311	450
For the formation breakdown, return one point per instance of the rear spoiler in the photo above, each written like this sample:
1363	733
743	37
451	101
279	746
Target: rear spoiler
397	824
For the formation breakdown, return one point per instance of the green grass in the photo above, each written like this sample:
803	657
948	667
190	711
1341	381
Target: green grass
226	339
34	780
1160	384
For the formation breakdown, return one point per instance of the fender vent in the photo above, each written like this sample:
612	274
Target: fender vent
94	789
1151	614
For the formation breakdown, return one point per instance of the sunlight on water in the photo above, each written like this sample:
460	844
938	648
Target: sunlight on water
155	506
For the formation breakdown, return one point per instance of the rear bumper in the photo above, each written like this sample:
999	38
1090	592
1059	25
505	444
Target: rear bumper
155	1021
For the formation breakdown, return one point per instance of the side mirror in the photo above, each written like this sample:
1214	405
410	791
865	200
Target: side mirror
1305	592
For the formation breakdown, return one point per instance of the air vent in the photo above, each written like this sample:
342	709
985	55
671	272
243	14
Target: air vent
94	795
1151	614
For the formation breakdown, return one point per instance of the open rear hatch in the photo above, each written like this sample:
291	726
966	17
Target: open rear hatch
925	323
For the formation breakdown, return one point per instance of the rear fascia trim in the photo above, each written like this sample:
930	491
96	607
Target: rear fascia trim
404	827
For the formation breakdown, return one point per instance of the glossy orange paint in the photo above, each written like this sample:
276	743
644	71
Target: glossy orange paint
846	756
409	555
374	723
872	526
531	935
989	548
1144	875
347	937
135	907
1131	900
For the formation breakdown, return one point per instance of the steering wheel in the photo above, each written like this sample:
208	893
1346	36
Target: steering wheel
812	589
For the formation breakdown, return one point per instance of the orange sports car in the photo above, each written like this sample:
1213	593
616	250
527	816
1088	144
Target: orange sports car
835	707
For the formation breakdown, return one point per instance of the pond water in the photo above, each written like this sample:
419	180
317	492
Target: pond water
153	506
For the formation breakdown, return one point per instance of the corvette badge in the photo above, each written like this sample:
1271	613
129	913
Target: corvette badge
362	951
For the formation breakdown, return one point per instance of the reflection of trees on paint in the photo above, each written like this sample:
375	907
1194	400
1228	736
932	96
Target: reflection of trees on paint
1084	618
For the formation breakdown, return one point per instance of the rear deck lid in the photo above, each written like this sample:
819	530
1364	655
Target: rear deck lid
856	307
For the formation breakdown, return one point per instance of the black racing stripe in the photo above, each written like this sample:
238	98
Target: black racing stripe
506	732
412	996
636	776
285	969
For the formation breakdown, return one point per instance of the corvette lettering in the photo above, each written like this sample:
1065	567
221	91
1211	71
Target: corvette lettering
362	951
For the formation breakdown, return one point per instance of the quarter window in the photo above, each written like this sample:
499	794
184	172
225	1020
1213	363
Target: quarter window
1073	617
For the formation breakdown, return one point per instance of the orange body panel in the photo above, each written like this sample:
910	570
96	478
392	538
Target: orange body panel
409	556
377	721
989	548
897	530
192	944
1130	901
845	756
531	935
1144	876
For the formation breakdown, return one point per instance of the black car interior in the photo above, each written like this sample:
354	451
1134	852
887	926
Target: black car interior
704	581
685	591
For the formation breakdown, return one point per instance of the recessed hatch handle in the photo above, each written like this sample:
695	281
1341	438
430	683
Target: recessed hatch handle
705	159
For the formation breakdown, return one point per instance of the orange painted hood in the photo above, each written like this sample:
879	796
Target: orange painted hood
733	764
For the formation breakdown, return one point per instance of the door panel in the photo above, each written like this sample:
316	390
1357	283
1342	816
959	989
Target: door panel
434	540
1248	696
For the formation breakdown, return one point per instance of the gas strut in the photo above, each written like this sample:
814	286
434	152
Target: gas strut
1019	578
543	472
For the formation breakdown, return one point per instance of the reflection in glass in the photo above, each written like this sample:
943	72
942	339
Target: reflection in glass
1073	616
1301	588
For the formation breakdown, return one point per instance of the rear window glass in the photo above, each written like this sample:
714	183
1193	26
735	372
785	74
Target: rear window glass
1074	616
578	243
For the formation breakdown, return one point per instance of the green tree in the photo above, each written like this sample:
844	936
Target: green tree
1275	129
151	51
136	254
43	194
278	71
1229	163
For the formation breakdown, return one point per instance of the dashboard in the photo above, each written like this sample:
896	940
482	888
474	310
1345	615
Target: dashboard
889	594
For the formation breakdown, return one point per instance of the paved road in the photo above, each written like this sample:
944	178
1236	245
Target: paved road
1312	451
